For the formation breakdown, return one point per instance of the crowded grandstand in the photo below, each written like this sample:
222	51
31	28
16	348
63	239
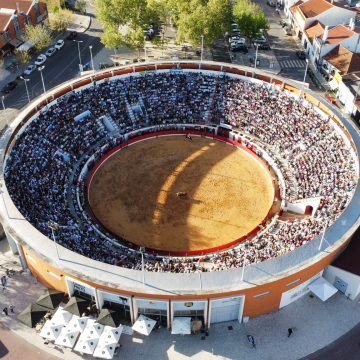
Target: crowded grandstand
43	169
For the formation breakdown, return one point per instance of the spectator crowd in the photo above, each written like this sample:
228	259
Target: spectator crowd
43	165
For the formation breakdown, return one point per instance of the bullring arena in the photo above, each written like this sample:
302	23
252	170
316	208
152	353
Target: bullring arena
180	189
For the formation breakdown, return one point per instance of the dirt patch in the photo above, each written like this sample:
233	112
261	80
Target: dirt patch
134	193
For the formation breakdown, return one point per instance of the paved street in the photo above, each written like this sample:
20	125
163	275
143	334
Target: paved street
61	67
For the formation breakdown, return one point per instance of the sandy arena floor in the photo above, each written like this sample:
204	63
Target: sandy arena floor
133	194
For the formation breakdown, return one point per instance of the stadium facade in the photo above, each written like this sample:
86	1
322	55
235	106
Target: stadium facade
214	296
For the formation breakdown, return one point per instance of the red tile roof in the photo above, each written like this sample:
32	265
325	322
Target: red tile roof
24	5
344	60
313	8
338	34
4	21
315	30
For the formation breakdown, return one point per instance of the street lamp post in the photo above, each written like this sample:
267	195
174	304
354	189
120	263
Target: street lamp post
78	45
91	57
41	68
323	235
27	90
306	69
54	226
256	54
202	47
2	101
145	49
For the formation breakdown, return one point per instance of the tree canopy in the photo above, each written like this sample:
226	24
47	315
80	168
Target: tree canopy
250	17
124	21
60	20
40	36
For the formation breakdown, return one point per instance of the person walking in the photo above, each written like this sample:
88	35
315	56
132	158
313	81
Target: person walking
5	311
4	282
251	341
290	332
11	308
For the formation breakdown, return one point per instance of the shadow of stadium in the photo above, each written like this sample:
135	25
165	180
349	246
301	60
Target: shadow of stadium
147	191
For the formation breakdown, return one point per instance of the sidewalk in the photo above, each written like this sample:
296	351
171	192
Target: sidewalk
316	324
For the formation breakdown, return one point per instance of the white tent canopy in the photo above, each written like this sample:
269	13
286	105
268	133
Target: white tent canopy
110	334
51	330
144	325
86	346
77	323
181	326
105	351
322	289
61	316
67	337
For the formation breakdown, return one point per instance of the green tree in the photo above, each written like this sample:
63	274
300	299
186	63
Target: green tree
124	21
208	18
250	17
23	57
40	36
60	20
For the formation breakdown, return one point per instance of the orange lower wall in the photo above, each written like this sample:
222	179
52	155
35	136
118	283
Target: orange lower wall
55	278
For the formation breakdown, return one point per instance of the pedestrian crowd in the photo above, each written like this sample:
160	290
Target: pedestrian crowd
39	171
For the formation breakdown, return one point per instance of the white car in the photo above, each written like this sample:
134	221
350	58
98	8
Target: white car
29	69
40	59
59	44
50	52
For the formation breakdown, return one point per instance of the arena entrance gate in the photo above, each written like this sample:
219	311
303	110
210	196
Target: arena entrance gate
226	309
155	309
118	302
189	308
78	288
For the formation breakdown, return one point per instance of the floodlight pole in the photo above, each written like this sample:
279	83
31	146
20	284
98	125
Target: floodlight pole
323	234
53	225
142	250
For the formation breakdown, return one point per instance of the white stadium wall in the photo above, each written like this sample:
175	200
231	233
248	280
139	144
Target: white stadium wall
261	288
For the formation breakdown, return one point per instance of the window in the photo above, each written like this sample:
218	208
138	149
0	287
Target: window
16	25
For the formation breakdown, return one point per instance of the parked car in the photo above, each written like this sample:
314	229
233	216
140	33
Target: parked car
105	65
301	55
50	52
239	48
234	27
40	59
29	69
72	35
271	3
59	44
9	87
260	40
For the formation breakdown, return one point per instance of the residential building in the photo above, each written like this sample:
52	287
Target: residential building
14	16
305	14
319	40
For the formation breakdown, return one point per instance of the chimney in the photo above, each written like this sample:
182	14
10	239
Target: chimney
18	7
326	33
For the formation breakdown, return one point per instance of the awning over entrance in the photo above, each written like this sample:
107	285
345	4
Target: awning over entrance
322	289
25	46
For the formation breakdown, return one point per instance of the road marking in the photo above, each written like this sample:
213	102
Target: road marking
292	63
